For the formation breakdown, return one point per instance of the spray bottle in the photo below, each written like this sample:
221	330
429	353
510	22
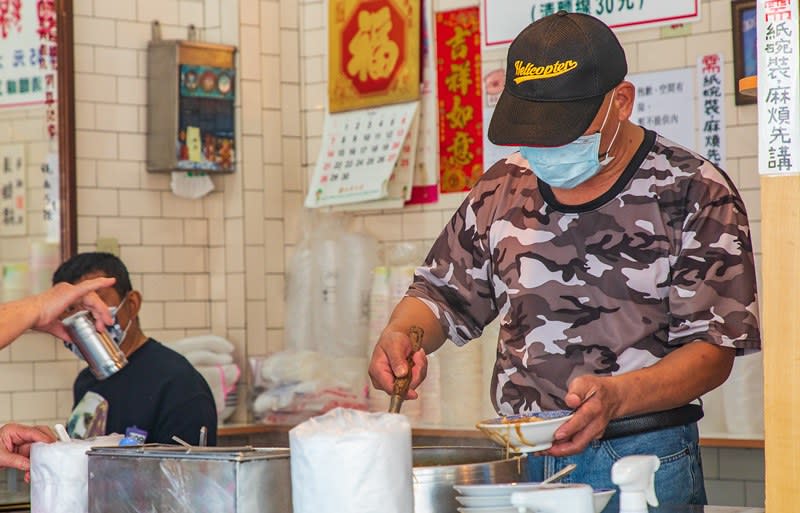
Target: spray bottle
635	476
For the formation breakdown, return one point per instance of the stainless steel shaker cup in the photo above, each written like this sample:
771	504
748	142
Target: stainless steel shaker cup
101	353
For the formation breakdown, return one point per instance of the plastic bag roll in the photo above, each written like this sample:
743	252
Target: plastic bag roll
323	447
60	474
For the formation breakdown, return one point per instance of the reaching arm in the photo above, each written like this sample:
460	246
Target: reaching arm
680	377
41	312
394	346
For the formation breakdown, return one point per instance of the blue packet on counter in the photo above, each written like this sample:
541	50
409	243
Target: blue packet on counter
133	436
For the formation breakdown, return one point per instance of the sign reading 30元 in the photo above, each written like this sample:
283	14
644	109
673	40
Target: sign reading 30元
504	19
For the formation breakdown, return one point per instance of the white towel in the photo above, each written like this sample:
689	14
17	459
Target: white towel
203	357
222	380
212	343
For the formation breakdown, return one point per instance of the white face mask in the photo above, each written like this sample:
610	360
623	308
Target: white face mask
568	166
115	331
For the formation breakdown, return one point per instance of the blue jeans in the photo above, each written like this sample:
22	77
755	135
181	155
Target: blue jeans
679	480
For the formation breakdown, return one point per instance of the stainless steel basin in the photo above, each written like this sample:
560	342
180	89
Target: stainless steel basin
437	469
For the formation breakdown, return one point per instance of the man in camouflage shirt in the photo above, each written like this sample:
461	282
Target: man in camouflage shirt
629	281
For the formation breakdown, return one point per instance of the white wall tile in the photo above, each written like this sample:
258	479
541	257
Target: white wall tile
250	92
16	376
31	347
33	405
256	328
185	259
254	217
250	56
273	237
93	31
254	273
197	287
161	232
273	192
235	306
195	232
98	202
276	303
133	34
118	9
252	170
140	203
186	314
671	54
191	13
118	174
120	62
166	12
55	375
127	230
143	259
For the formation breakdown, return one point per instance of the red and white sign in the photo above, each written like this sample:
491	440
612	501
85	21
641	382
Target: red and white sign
458	62
28	55
502	20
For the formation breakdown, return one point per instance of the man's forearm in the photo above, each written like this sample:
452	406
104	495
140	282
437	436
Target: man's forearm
413	312
680	377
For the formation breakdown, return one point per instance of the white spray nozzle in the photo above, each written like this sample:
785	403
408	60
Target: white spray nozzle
635	476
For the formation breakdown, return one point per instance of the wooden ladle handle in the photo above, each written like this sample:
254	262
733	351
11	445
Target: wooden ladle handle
401	383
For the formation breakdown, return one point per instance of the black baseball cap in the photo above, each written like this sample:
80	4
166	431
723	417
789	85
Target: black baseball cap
560	68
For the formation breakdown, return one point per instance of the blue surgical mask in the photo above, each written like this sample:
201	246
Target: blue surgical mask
115	331
568	166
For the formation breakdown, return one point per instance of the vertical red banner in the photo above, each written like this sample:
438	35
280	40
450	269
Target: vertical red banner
458	62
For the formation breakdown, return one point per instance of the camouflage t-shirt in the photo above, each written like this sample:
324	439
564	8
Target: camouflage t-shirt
661	259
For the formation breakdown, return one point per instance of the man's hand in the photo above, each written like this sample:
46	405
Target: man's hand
15	445
389	361
590	418
53	302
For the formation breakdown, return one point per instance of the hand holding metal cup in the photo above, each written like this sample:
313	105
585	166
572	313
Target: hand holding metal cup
104	357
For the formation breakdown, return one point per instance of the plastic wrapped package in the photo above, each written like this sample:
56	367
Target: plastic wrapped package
356	257
292	386
321	447
59	475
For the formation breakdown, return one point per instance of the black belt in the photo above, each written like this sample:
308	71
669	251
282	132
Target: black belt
646	422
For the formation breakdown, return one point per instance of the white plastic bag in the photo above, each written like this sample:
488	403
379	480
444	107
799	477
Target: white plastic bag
60	474
330	473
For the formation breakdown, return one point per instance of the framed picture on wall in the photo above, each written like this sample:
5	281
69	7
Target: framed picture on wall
743	14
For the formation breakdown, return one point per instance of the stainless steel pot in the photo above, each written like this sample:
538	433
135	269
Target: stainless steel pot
437	469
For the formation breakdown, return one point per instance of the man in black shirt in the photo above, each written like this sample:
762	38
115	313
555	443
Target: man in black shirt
159	391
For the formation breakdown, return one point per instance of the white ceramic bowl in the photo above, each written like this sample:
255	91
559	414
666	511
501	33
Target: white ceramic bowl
601	497
525	433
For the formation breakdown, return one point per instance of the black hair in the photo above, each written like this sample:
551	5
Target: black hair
74	269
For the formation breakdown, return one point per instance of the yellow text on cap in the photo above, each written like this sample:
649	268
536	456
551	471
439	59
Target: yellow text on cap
528	71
